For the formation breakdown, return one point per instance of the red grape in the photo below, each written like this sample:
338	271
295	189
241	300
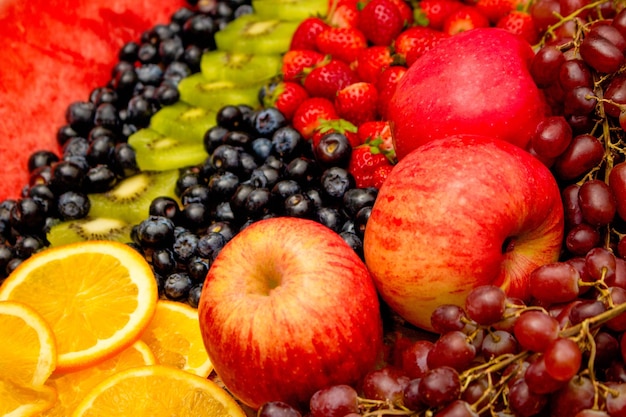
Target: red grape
575	73
453	349
600	264
485	304
617	184
543	13
555	283
385	384
545	65
538	378
498	342
601	54
592	413
410	396
552	137
415	358
597	202
563	359
439	386
584	153
616	92
618	296
581	239
585	310
578	394
619	22
458	408
523	402
616	400
334	401
535	330
277	409
447	317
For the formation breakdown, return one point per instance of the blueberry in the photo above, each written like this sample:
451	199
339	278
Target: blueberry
360	220
177	286
229	117
257	202
354	242
198	193
333	149
261	148
184	247
106	116
223	184
163	261
101	150
27	215
156	232
336	182
298	205
100	179
197	268
287	143
214	137
41	158
165	207
196	216
210	244
73	205
225	158
129	52
267	121
185	180
357	198
330	217
194	295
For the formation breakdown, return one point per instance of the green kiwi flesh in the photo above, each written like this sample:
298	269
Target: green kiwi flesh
183	121
238	68
155	151
290	10
130	199
199	91
100	228
251	34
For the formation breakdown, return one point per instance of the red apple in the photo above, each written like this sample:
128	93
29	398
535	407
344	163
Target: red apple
457	213
287	309
476	82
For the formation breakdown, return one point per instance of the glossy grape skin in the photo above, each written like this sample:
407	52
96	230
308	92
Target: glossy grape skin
415	358
538	378
581	239
601	54
498	342
386	384
586	309
597	203
617	184
439	386
545	65
447	317
552	137
543	13
563	359
523	402
555	283
600	263
572	212
334	401
457	408
485	304
452	349
535	330
277	409
575	73
576	395
585	152
616	92
618	296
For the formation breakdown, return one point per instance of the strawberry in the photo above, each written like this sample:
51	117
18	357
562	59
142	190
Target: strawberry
343	13
495	10
338	125
380	175
522	24
380	21
357	103
310	114
341	43
386	86
326	79
306	32
296	61
286	96
371	62
377	133
364	161
413	42
464	19
432	13
406	11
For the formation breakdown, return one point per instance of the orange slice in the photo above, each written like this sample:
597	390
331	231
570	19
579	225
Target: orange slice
28	353
98	296
71	387
18	400
174	337
158	391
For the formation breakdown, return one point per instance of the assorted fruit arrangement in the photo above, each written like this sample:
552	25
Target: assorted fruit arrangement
352	208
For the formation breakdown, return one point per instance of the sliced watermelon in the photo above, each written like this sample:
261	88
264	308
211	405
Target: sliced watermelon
55	52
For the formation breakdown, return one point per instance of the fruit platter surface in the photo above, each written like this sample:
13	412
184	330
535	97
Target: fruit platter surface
313	208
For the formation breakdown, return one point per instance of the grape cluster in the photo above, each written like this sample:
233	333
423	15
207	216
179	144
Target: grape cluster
563	353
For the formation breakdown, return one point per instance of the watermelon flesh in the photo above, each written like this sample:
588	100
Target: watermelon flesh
56	52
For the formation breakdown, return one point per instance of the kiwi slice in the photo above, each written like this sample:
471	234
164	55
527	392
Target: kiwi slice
241	69
100	228
290	10
130	199
251	34
198	91
183	121
155	151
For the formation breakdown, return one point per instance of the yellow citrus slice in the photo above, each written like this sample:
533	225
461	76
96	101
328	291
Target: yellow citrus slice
174	337
71	387
98	296
17	400
158	391
28	353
